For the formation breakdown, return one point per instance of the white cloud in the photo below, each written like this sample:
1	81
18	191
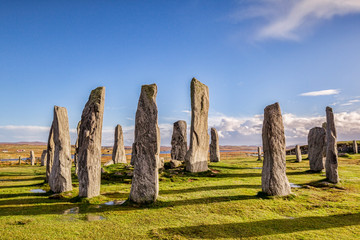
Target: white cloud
232	130
321	93
287	19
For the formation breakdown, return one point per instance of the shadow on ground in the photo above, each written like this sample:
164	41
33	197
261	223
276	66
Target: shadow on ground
259	228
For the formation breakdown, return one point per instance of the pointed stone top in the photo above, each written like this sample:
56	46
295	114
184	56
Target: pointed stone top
97	94
328	108
197	82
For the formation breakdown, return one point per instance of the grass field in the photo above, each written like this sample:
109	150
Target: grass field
222	203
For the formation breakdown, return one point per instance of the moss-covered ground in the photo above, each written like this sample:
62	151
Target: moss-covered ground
222	203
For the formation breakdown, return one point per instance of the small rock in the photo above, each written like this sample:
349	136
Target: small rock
175	163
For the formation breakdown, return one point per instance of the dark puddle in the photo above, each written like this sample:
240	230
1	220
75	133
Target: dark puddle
37	191
74	210
89	217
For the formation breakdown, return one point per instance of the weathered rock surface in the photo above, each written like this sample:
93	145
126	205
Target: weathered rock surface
146	148
161	163
89	150
355	147
196	156
50	153
118	155
259	153
274	180
43	158
298	153
76	154
32	158
214	146
179	141
316	144
175	163
331	163
60	176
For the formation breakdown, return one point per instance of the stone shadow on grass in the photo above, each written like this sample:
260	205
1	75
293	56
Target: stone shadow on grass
207	188
258	228
22	186
59	206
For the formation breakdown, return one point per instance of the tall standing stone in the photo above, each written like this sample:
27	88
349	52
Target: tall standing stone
298	153
274	180
331	163
196	156
259	153
60	176
32	158
179	141
214	146
118	155
43	158
145	181
316	144
76	153
355	147
50	153
89	150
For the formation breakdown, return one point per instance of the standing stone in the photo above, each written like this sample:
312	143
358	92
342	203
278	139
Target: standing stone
145	181
214	146
32	158
43	158
316	144
179	141
118	155
89	150
355	147
259	153
331	163
298	153
76	153
274	180
19	160
196	156
50	153
60	176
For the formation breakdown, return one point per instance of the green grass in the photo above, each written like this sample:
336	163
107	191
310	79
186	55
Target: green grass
221	203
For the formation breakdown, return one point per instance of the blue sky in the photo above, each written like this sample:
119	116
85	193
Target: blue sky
249	53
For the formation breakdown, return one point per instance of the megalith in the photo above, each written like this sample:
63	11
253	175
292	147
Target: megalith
179	141
298	153
89	149
259	153
50	153
331	163
274	180
355	147
145	180
214	146
76	153
316	144
32	158
43	158
196	156
118	155
60	175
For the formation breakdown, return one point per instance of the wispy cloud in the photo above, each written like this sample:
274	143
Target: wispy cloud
288	19
321	93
